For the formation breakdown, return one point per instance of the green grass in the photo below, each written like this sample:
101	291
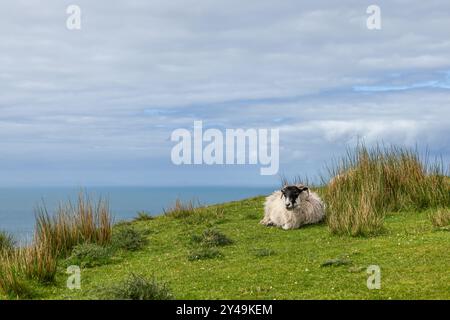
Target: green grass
269	263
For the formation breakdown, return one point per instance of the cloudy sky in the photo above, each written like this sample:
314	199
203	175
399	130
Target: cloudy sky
97	106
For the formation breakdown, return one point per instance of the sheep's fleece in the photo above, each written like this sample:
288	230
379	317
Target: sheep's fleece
310	210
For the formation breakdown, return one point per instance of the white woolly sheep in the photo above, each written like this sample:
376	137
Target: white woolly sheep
292	207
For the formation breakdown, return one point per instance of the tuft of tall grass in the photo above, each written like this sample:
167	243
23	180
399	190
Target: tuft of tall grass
7	241
54	237
12	281
180	209
20	264
84	222
369	182
39	262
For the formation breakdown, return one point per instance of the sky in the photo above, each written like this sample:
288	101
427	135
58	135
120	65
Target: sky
97	106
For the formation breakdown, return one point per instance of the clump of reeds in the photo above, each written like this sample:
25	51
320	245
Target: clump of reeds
368	183
84	222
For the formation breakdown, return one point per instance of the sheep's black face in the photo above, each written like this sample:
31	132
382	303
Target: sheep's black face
291	196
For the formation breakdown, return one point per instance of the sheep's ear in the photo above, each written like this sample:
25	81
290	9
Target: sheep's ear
306	189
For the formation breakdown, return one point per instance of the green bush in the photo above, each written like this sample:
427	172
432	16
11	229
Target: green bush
129	238
143	216
212	238
88	255
137	287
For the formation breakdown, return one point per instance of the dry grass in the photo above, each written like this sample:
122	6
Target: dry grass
440	218
180	209
368	183
192	213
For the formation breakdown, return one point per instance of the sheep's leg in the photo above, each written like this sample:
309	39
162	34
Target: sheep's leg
287	226
266	222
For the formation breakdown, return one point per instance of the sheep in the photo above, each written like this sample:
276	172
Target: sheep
299	207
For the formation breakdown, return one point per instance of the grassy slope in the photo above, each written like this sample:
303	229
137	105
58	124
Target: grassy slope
414	261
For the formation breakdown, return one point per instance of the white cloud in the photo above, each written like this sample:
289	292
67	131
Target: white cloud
84	99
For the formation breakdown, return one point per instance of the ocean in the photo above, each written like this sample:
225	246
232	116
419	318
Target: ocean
17	205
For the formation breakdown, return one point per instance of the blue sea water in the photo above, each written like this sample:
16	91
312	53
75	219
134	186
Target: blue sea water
17	205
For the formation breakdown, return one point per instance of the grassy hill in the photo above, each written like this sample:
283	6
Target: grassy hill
384	206
269	263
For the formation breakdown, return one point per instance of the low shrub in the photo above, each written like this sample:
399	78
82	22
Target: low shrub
137	287
143	216
212	238
129	238
88	255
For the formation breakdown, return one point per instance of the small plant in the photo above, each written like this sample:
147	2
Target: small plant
212	238
88	255
143	216
204	253
336	262
7	241
440	218
137	287
129	238
263	252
